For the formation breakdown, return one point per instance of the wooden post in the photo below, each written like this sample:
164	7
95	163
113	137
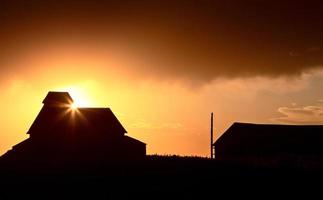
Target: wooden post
212	135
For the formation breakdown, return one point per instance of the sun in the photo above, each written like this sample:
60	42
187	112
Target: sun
80	100
73	106
79	95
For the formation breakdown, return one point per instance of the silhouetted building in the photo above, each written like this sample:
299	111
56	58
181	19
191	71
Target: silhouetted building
244	140
62	135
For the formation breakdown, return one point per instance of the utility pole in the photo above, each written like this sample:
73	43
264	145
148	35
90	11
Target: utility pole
212	135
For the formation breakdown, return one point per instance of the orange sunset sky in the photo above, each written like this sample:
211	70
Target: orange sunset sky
163	66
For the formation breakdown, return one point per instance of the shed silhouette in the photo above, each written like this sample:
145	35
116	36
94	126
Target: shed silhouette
62	135
269	140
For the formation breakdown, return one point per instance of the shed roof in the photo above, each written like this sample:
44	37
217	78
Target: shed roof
246	138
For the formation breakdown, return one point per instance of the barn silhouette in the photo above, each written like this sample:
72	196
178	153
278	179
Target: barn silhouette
265	141
61	135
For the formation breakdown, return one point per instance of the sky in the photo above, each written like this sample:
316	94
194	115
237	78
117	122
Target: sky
163	66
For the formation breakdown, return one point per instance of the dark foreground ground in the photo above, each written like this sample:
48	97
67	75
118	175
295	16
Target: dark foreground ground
166	177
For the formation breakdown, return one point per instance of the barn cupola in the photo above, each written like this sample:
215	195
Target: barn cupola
58	99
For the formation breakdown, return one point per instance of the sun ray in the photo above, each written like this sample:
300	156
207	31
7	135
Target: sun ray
73	106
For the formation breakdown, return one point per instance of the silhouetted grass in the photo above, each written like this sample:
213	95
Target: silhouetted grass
163	176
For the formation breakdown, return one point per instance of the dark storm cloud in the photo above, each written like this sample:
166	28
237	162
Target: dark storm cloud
199	40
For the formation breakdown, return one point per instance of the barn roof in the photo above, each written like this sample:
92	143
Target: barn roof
245	138
62	118
100	117
133	140
81	119
58	97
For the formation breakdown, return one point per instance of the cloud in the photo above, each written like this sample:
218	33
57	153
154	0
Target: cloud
310	114
194	40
